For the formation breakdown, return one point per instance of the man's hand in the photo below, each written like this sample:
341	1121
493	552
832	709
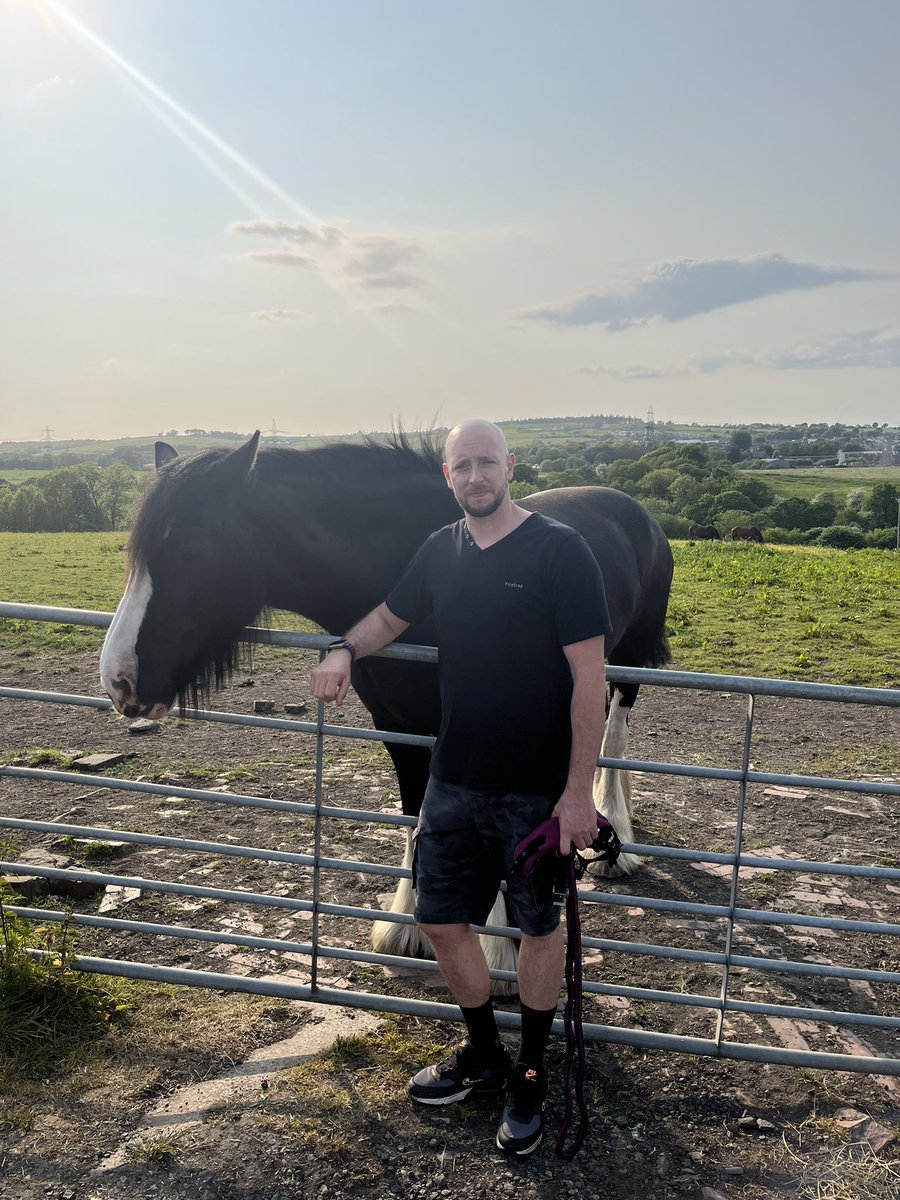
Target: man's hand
577	819
331	678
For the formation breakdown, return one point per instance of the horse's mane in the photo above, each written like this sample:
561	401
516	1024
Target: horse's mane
185	479
420	453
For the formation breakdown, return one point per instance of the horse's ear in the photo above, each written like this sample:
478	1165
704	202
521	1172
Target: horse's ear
164	454
244	457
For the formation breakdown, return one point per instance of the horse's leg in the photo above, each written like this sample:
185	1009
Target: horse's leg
501	952
390	937
612	788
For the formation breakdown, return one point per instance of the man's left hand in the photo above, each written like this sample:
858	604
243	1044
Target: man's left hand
577	820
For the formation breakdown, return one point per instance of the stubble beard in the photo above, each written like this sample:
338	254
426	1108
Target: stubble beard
490	505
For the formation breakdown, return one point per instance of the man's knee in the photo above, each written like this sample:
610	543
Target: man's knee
445	935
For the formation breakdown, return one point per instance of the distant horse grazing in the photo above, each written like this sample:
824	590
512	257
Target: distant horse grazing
222	535
746	533
704	533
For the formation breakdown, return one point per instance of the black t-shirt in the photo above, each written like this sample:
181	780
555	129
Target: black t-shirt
503	616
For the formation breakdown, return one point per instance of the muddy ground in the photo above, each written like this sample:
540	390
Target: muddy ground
667	1125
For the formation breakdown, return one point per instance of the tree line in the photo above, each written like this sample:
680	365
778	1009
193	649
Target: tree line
76	499
685	485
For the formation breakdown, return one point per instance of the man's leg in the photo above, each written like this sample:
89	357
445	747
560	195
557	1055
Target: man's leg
462	962
481	1063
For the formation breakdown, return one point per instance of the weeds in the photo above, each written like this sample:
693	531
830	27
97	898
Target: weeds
47	1007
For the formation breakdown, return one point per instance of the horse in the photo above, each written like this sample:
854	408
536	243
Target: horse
223	535
746	533
704	533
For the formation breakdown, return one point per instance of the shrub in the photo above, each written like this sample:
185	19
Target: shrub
842	537
882	539
783	537
673	526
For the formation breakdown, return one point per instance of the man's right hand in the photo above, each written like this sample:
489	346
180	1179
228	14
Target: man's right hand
331	678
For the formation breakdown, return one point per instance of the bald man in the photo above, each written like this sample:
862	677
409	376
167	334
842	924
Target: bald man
521	615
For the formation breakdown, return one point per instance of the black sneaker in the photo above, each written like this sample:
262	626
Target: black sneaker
464	1072
521	1128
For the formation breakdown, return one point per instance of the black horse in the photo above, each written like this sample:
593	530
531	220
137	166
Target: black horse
223	535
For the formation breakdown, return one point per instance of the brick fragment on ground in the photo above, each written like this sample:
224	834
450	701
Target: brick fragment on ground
97	762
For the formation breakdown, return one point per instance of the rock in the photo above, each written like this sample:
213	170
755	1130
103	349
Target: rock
295	709
98	762
115	896
142	725
263	706
709	1193
30	885
733	1170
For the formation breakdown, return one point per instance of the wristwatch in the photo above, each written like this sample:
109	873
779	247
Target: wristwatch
343	644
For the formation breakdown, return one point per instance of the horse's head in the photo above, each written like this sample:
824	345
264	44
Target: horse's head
194	583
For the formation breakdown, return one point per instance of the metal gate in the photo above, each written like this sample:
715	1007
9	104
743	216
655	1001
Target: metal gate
793	1022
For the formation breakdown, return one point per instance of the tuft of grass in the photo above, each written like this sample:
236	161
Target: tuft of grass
39	756
159	1151
47	1007
852	1171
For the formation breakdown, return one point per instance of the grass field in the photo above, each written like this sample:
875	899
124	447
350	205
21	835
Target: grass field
786	612
807	482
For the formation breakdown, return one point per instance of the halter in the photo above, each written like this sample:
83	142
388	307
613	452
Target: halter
541	842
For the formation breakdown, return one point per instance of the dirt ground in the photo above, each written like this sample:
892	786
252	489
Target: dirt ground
666	1126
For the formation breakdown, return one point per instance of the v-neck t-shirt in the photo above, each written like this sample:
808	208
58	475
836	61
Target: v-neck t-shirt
503	615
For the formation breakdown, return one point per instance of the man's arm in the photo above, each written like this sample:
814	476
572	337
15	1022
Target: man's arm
575	807
331	678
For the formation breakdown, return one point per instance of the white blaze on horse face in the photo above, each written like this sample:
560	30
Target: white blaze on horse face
118	659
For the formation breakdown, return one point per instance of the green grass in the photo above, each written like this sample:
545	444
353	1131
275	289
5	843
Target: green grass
787	612
48	1009
794	612
69	570
807	482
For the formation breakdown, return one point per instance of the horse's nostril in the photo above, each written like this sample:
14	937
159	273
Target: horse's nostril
131	710
122	686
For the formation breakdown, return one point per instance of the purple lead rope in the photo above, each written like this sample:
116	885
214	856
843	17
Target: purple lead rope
572	1021
539	844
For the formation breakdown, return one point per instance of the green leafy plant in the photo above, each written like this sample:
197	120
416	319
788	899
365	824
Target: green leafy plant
47	1006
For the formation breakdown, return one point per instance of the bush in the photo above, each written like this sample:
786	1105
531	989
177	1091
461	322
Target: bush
673	526
882	539
784	537
842	537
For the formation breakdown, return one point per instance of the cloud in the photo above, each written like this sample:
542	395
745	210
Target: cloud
683	288
878	348
368	260
282	258
867	348
278	314
392	310
285	231
633	371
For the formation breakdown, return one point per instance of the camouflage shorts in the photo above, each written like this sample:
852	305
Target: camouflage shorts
464	846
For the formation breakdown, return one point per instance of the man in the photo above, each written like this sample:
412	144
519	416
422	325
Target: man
521	616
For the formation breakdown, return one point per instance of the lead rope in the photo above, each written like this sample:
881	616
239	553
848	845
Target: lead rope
572	1021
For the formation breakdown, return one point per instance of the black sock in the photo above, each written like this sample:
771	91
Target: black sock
482	1027
536	1026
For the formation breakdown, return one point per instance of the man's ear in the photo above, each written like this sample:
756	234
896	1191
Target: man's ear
510	465
446	471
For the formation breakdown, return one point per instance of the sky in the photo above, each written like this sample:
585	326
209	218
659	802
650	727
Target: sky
326	216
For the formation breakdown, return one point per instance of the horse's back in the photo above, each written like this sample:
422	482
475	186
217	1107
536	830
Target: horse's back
636	560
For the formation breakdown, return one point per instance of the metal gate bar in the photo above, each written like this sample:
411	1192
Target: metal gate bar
731	913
